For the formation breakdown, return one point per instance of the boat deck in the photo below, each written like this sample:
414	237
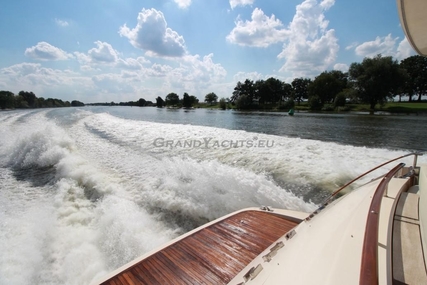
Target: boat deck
408	260
213	255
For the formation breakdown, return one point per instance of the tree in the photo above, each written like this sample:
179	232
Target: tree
246	89
288	93
243	102
416	81
186	101
262	92
194	100
76	103
276	88
376	79
327	85
300	88
340	99
141	102
29	97
211	98
7	100
160	102
269	91
223	103
172	99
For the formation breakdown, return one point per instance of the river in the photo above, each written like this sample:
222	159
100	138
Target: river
85	190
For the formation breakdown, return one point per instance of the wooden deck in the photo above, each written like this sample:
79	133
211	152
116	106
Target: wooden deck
213	255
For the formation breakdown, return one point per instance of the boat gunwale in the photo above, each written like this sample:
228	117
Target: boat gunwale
369	264
290	215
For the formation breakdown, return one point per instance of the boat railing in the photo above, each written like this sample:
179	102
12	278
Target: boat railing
334	194
369	268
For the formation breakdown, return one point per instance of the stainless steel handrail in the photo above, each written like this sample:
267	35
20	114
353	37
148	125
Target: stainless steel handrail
332	196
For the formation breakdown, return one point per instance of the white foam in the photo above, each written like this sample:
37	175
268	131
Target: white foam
114	195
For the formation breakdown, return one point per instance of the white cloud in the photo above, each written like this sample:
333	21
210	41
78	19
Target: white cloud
103	53
341	67
386	46
242	76
44	82
46	51
183	3
203	70
404	50
351	46
194	74
261	31
131	63
235	3
153	35
115	83
381	45
310	48
61	23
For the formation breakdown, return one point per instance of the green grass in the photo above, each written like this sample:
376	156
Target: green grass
391	107
406	107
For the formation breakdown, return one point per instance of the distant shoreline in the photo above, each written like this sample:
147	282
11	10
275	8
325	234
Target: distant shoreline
391	108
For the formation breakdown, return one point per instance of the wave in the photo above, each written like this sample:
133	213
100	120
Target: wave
87	192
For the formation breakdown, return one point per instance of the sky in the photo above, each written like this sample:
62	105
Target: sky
123	50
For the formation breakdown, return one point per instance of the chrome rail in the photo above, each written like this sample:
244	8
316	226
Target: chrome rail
332	196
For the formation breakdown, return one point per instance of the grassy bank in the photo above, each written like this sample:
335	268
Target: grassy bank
390	107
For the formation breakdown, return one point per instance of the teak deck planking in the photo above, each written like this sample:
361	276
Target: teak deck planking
213	255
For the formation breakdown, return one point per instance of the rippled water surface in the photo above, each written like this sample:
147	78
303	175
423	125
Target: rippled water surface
85	190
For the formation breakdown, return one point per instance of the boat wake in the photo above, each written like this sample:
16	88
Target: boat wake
87	192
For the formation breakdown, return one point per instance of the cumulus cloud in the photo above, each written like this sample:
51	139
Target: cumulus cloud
260	31
387	46
61	23
235	3
341	67
202	69
381	45
310	47
351	46
104	52
191	73
105	55
154	36
45	51
45	82
132	63
183	3
242	76
404	50
115	83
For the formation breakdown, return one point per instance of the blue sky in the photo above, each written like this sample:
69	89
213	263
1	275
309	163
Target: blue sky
122	50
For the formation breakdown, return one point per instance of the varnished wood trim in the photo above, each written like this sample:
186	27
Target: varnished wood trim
213	255
369	264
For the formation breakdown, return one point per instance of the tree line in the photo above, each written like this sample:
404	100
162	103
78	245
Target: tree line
373	81
140	103
25	99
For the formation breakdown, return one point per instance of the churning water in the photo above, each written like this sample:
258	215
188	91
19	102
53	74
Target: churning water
83	191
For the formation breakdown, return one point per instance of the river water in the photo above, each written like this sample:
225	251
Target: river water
85	190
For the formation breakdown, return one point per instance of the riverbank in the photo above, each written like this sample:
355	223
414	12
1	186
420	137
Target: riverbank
419	108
